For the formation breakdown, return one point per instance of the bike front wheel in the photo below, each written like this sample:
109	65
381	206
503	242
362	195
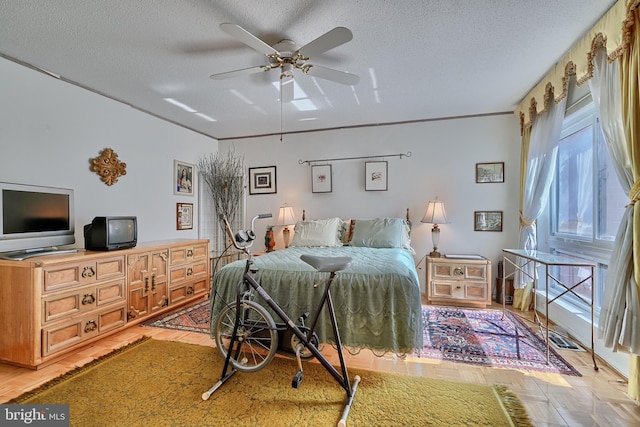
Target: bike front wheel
256	339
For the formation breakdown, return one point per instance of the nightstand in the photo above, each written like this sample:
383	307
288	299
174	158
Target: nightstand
459	280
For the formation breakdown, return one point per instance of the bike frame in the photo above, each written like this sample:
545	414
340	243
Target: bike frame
248	280
243	241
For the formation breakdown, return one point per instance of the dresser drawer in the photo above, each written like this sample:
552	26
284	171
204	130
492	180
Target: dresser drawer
62	335
187	290
57	277
459	272
83	300
186	254
460	291
195	270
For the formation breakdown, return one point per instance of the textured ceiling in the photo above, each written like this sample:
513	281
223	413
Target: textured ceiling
417	59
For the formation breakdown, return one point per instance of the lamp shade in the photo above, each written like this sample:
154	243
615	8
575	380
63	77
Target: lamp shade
286	216
435	213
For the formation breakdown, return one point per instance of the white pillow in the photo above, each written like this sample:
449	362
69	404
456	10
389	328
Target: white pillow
322	232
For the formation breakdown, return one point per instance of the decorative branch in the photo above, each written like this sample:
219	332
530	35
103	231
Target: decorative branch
224	175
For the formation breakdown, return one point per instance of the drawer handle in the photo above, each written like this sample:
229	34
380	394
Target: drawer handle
88	272
146	284
190	290
458	271
189	253
88	299
90	326
189	271
153	282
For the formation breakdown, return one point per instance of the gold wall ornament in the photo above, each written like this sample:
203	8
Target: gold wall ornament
108	166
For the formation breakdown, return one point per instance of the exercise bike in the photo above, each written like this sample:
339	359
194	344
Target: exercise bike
248	338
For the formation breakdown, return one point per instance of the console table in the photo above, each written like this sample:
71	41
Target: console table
547	260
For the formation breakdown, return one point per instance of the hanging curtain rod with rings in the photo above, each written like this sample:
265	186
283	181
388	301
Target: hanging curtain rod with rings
401	155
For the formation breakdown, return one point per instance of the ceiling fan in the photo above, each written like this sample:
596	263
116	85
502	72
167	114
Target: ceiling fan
287	56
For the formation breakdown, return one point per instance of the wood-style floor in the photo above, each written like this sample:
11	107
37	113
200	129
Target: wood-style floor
598	398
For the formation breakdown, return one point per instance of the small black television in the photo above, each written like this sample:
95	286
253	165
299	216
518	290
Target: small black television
110	233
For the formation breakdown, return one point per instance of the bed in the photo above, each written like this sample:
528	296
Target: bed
376	300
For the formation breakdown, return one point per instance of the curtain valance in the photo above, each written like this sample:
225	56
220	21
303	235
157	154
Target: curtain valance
612	31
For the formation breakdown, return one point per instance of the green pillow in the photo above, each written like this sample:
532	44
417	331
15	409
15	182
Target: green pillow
378	233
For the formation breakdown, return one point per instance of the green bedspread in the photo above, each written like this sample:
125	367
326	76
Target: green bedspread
376	300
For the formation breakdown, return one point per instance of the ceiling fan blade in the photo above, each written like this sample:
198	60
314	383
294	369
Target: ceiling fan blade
247	38
286	89
236	73
327	41
331	74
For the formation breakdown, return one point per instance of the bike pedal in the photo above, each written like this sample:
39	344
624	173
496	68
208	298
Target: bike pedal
302	318
297	379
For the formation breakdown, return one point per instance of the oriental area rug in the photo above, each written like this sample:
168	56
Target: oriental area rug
160	383
487	338
472	336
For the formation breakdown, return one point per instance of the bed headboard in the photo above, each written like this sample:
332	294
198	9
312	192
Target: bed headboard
381	232
408	218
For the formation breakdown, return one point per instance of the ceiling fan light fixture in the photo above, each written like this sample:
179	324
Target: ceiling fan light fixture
287	56
286	49
287	71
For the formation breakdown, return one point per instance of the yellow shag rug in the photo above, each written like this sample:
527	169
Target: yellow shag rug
160	383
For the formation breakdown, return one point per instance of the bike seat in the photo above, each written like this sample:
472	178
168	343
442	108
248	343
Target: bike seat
327	263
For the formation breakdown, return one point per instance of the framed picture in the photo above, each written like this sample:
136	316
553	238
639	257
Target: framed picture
184	216
489	172
262	180
375	176
321	179
182	178
487	221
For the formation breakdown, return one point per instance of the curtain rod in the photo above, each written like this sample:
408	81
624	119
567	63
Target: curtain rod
401	155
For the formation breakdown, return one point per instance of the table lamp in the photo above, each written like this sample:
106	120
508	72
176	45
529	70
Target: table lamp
435	215
286	218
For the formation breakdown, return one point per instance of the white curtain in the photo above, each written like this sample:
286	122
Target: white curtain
585	193
619	324
541	165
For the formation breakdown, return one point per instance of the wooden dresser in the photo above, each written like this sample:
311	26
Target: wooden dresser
459	281
52	305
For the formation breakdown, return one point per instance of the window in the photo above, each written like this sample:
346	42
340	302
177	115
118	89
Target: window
586	205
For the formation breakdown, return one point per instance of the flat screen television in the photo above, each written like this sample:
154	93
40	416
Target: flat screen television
34	219
110	233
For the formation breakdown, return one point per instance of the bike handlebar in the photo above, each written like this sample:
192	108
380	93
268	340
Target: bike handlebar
243	239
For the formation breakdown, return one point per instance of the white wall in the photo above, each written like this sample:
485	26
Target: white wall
444	155
49	131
